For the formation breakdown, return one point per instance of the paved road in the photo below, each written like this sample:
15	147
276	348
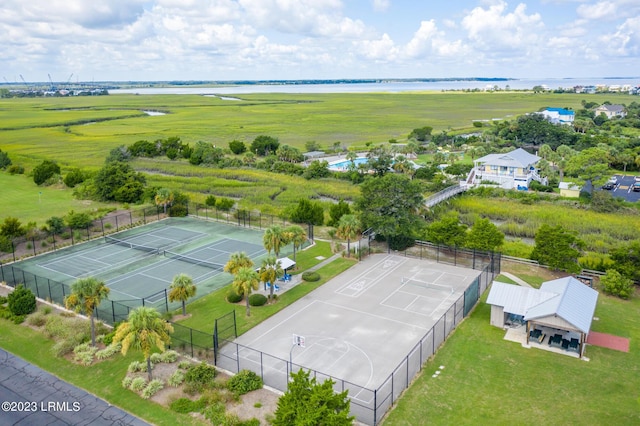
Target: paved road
623	188
31	396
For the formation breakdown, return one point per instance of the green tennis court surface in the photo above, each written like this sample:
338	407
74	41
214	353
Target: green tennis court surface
141	263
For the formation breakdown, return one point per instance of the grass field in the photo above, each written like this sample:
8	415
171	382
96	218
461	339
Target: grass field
22	198
487	380
69	131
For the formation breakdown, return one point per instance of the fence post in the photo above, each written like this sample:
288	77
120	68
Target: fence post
166	301
130	218
375	406
191	340
33	244
53	236
113	312
35	277
117	227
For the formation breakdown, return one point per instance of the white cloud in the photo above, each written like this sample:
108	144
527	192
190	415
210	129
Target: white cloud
493	28
600	10
625	41
381	5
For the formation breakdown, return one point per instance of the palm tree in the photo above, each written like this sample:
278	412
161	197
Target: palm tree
245	281
297	236
348	228
144	330
182	288
164	197
273	239
270	271
236	261
86	295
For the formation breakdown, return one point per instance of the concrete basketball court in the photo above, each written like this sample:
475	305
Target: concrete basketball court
359	326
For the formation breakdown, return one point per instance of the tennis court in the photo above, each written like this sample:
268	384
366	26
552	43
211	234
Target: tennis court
141	263
357	327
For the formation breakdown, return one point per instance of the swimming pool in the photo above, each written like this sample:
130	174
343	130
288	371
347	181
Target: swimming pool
343	165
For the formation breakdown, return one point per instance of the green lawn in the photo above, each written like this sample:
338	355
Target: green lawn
102	379
487	380
23	199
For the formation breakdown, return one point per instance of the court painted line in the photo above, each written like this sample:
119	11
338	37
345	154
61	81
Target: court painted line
280	324
361	283
57	272
155	278
374	315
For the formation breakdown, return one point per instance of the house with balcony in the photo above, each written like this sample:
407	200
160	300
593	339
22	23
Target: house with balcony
611	111
511	170
559	115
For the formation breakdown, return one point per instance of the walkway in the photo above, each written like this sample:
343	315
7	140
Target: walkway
518	281
608	341
46	400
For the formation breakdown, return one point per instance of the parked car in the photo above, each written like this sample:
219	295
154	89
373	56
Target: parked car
637	178
611	183
636	186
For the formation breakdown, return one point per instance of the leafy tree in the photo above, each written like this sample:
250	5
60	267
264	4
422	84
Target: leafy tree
308	212
336	211
590	164
21	301
245	280
143	148
117	181
289	154
80	220
181	289
426	172
74	177
317	170
45	171
296	235
348	228
379	160
557	248
391	205
86	295
626	259
224	204
164	198
403	165
421	134
312	146
55	224
237	147
447	231
264	145
270	271
5	161
119	154
206	153
144	330
210	201
274	238
306	402
613	282
12	228
484	235
237	260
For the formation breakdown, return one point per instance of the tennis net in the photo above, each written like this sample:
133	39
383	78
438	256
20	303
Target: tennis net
123	243
183	258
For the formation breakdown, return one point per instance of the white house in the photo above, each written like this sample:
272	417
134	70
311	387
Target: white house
559	313
511	170
611	111
559	115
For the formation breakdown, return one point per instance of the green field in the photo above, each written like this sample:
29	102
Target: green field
22	198
69	131
487	380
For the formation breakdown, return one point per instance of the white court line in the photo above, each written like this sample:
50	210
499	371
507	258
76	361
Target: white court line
94	260
280	323
373	282
398	289
57	272
375	316
155	278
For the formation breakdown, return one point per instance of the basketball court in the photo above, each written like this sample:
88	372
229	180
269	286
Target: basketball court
359	326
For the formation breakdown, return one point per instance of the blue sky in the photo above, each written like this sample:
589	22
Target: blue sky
317	39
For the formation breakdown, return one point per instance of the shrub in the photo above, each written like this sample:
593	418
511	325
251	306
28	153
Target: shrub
21	301
138	384
224	204
257	299
63	347
15	169
185	365
616	284
310	276
137	366
216	414
184	406
210	201
201	373
37	319
244	382
152	388
176	378
233	297
126	382
109	351
156	358
18	319
45	171
3	300
169	356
